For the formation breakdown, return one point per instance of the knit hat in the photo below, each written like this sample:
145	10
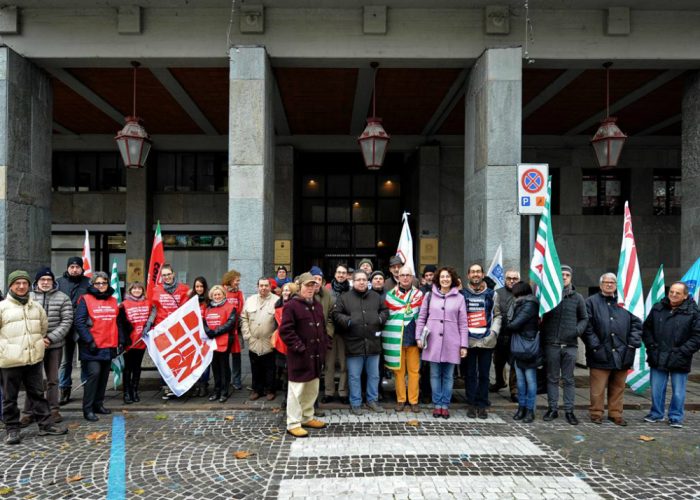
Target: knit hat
376	273
568	269
44	271
305	278
365	261
395	261
429	269
18	275
316	271
282	268
74	260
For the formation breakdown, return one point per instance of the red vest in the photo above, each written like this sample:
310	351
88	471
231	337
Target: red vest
137	313
217	316
103	314
165	303
235	299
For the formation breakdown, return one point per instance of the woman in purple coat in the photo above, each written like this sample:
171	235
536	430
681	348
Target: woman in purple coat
441	331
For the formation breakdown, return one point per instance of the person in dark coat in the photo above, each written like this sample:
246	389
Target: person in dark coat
74	284
671	336
524	322
611	337
359	316
101	339
561	328
501	354
303	330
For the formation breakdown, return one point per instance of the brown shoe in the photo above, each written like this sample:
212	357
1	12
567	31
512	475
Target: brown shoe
314	424
415	408
618	421
57	417
298	432
253	396
400	406
597	420
270	396
26	421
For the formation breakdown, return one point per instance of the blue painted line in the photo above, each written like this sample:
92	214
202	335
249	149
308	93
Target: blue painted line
116	484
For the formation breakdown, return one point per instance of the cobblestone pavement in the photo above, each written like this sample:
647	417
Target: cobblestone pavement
192	454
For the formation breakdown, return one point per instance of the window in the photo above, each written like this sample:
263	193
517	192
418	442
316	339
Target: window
183	172
667	192
604	193
88	171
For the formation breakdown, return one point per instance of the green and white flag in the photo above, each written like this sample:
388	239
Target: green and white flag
403	308
638	376
545	268
118	362
629	279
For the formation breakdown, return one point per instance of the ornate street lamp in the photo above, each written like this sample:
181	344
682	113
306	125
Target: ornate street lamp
133	141
374	139
608	139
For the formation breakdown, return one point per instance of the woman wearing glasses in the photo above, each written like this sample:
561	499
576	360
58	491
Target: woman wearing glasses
101	338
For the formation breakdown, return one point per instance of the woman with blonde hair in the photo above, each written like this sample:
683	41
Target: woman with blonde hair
219	324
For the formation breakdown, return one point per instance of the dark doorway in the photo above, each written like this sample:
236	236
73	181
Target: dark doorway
345	213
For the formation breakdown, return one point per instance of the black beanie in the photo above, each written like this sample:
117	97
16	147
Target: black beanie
44	271
74	260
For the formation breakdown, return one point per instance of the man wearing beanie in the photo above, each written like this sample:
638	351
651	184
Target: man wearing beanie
59	311
23	324
561	328
74	284
428	275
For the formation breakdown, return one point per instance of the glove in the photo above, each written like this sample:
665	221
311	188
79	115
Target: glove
92	347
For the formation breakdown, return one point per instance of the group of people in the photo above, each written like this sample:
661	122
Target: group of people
299	332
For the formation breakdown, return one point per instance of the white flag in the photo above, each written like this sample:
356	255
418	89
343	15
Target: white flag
87	260
179	347
405	250
495	271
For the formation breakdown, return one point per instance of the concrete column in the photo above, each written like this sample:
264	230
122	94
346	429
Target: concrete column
139	235
284	195
492	151
428	207
26	115
690	175
251	165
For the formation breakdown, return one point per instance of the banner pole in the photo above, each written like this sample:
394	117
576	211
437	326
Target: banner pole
532	236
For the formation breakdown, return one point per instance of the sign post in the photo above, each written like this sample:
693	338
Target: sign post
532	191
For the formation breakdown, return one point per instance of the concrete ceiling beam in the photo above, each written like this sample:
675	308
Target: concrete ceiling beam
660	126
363	97
279	113
452	97
81	89
550	91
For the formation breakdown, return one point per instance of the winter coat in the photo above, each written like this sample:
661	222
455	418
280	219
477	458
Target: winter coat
446	319
359	318
525	322
74	287
505	302
303	330
258	323
22	331
483	308
84	326
59	311
672	336
327	301
336	289
565	323
612	334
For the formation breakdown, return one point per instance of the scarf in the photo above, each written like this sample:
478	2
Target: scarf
339	288
172	287
213	304
22	300
135	299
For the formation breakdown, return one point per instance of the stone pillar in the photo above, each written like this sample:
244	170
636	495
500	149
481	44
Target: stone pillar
284	196
251	165
428	205
139	233
492	151
26	116
690	174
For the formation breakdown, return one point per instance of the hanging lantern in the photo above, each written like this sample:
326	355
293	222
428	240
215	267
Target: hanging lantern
608	139
374	139
133	141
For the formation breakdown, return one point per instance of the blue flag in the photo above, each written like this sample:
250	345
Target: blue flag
692	280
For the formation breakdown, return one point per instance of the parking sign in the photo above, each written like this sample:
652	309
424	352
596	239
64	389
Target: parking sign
532	188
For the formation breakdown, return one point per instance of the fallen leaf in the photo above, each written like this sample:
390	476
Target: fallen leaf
64	446
276	410
162	478
73	425
646	439
96	436
29	497
73	479
139	491
242	454
413	423
161	417
5	490
149	463
229	418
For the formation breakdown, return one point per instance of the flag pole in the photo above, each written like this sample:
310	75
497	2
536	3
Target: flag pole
531	222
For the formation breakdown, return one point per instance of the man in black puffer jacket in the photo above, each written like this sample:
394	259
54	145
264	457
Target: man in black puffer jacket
561	328
671	336
612	336
359	316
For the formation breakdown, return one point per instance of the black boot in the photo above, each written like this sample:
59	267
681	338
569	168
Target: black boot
135	393
65	396
529	416
520	414
128	399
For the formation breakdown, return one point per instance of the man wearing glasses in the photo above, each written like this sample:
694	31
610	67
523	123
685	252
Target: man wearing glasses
501	355
611	337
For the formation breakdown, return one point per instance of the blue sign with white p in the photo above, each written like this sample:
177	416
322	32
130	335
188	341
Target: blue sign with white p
525	201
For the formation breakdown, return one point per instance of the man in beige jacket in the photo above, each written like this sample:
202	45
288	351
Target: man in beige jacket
23	326
257	325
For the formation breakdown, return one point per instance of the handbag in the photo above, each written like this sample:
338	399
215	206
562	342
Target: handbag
523	348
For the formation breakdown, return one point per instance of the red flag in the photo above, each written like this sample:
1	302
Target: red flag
157	261
87	261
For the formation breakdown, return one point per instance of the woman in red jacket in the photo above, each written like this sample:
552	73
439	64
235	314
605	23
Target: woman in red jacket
200	288
219	324
135	311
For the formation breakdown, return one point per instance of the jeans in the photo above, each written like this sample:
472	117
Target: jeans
65	372
560	360
476	367
356	364
442	376
659	382
527	386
